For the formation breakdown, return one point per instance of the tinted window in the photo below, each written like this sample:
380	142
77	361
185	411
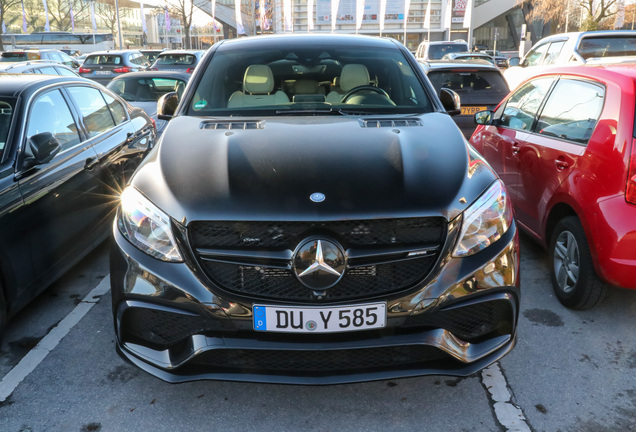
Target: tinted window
14	57
48	70
176	59
117	110
6	114
50	113
97	117
469	81
137	58
65	72
523	105
143	89
607	46
572	110
437	51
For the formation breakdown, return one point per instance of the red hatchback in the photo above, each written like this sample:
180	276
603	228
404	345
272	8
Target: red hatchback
563	144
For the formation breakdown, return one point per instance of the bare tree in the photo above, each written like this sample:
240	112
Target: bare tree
5	7
595	13
184	8
60	12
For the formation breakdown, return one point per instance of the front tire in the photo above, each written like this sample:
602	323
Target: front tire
574	280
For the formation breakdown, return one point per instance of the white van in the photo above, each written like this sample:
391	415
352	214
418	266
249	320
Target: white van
438	49
575	48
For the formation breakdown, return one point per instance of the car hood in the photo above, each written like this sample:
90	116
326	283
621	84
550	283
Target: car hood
267	168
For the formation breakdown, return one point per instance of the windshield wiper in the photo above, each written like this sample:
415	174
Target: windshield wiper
307	112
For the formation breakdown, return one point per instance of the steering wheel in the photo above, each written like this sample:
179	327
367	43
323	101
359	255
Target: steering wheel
354	90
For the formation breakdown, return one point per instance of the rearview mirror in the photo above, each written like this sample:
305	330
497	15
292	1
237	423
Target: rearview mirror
167	105
450	101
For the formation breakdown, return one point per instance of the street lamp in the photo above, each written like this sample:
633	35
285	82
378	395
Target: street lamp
121	42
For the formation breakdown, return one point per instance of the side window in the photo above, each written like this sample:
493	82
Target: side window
116	109
49	70
96	114
137	59
572	110
553	52
65	72
522	106
50	113
535	54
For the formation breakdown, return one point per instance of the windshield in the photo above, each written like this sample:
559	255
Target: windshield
145	89
6	114
301	79
437	51
607	46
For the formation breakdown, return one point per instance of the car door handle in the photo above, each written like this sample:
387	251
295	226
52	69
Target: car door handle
561	164
90	163
515	150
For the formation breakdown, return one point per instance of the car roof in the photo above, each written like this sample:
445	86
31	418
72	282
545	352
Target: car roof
113	52
154	74
598	70
6	66
458	64
13	85
308	39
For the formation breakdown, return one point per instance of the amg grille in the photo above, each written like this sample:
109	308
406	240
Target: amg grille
321	361
260	278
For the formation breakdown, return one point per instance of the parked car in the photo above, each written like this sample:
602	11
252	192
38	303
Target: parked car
438	49
67	146
313	239
143	89
577	47
479	84
470	56
37	67
39	54
564	144
501	60
177	60
103	66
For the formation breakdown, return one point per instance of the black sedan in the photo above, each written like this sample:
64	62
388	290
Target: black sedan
67	146
312	215
479	84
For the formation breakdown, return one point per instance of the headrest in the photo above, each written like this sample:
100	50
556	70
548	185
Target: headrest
304	86
258	79
354	75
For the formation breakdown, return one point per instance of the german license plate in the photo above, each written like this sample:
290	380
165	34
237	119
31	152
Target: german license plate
470	110
102	72
319	319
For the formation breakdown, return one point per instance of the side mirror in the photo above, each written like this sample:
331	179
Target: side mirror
514	61
43	146
483	117
167	105
450	101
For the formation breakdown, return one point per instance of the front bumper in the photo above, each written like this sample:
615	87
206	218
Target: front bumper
172	324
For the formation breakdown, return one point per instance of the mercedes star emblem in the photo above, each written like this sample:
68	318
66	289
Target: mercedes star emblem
319	264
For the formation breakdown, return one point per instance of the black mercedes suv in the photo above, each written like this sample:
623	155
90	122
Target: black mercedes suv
313	215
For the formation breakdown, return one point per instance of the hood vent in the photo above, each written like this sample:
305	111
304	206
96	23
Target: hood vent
232	124
381	123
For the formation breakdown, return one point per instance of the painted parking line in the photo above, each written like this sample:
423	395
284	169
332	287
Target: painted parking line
509	415
30	361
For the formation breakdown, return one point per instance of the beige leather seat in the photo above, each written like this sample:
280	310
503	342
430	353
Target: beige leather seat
258	85
352	76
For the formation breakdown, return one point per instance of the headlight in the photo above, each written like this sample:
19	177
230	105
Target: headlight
485	221
147	227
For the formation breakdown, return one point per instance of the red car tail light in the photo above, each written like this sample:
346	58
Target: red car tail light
153	69
630	191
190	70
84	70
123	69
